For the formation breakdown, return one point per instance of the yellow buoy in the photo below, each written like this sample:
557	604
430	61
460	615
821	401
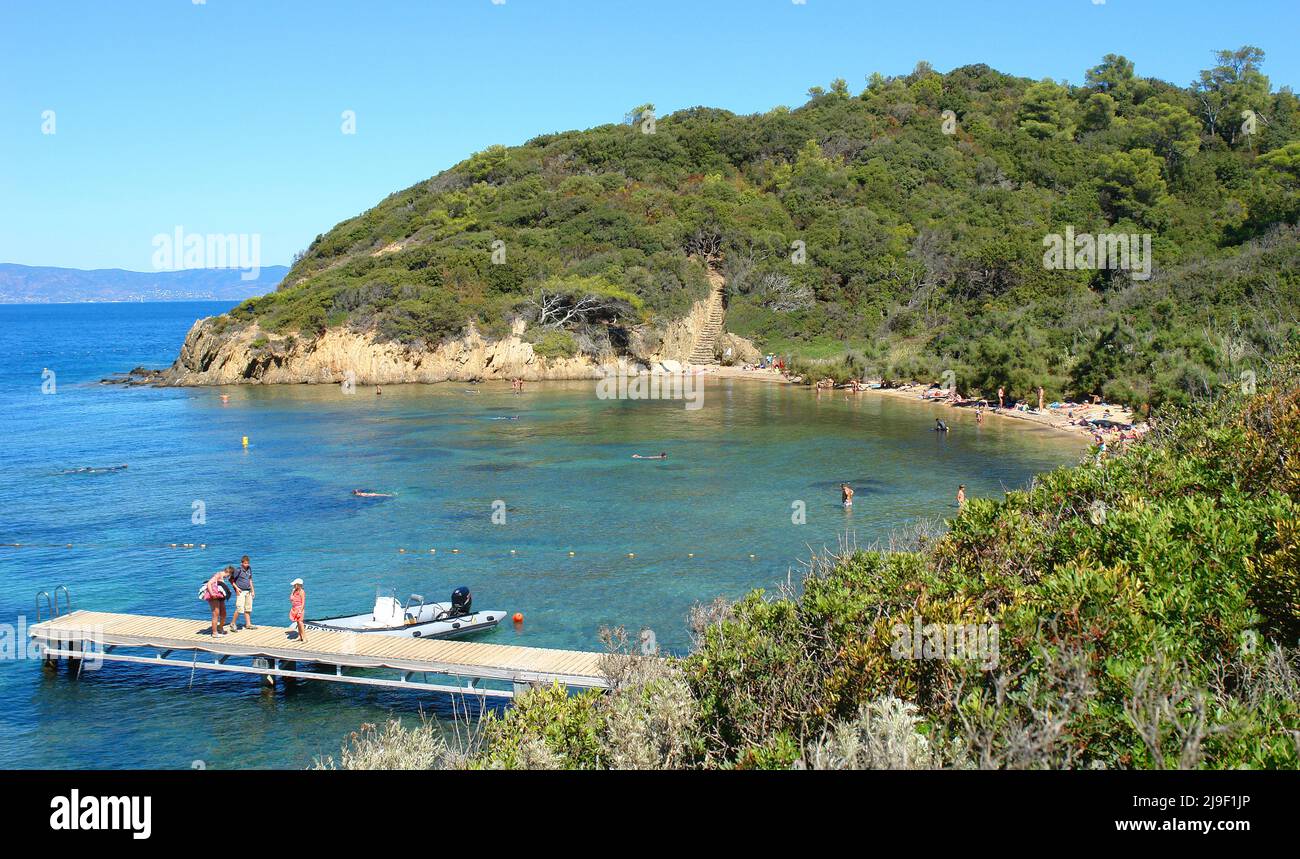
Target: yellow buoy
631	554
571	554
402	551
432	551
245	441
690	554
455	551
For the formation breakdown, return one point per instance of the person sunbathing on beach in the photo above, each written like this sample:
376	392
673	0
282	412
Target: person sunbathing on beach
366	493
662	455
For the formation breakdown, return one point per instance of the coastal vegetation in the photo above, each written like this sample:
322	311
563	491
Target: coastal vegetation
904	224
1137	611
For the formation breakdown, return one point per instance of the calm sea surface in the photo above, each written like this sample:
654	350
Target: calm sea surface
556	456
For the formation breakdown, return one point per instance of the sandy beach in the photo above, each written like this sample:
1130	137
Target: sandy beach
1063	418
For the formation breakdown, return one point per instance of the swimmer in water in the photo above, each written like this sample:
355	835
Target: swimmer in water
366	493
90	469
846	495
940	426
662	455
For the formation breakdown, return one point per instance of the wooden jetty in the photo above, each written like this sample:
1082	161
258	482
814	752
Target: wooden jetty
274	651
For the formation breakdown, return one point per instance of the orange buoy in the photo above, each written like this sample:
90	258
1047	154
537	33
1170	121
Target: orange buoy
519	617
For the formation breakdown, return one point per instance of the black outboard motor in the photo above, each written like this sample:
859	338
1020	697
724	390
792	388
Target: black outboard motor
461	602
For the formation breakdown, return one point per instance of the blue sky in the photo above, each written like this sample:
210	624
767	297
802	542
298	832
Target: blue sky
225	116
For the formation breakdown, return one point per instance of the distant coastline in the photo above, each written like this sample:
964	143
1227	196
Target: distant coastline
24	284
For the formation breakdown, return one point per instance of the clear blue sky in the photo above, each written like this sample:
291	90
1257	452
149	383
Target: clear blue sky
224	117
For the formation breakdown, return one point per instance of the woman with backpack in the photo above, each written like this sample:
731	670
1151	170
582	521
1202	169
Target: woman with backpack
215	592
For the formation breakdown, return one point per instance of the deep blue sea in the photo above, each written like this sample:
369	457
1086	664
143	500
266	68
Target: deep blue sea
556	456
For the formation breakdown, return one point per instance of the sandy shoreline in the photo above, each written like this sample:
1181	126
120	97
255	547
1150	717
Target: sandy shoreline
1058	419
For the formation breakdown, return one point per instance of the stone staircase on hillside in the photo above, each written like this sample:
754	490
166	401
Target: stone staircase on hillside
702	352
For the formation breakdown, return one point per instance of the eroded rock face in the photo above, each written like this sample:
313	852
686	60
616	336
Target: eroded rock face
742	351
251	355
217	354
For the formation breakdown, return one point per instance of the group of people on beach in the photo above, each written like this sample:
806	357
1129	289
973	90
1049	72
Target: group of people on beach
237	583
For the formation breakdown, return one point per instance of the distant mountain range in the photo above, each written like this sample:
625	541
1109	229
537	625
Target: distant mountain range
25	284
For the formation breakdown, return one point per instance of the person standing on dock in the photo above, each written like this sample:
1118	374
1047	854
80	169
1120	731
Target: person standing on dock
243	582
215	593
297	605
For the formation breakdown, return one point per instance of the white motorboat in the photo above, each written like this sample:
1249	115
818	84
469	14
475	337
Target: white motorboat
416	619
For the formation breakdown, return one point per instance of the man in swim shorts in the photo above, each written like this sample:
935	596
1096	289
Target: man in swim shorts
242	580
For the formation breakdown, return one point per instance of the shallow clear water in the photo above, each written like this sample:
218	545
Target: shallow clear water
562	467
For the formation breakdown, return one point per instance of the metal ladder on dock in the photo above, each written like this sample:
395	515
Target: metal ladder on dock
52	603
52	609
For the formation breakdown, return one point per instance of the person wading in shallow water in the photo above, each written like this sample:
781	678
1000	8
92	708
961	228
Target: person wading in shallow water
961	496
846	495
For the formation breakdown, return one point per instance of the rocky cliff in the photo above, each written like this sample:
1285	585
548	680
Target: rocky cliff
217	353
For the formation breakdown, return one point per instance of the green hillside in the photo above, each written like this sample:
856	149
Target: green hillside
921	203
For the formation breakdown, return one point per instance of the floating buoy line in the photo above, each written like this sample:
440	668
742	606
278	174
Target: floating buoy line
509	554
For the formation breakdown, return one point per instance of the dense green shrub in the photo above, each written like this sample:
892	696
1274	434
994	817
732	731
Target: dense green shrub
555	344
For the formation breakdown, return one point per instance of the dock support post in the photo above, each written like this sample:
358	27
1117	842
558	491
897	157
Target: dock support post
520	687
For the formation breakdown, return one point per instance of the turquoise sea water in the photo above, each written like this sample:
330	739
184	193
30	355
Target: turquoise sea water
556	456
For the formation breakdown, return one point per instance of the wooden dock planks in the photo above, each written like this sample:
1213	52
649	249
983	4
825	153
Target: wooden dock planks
360	650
